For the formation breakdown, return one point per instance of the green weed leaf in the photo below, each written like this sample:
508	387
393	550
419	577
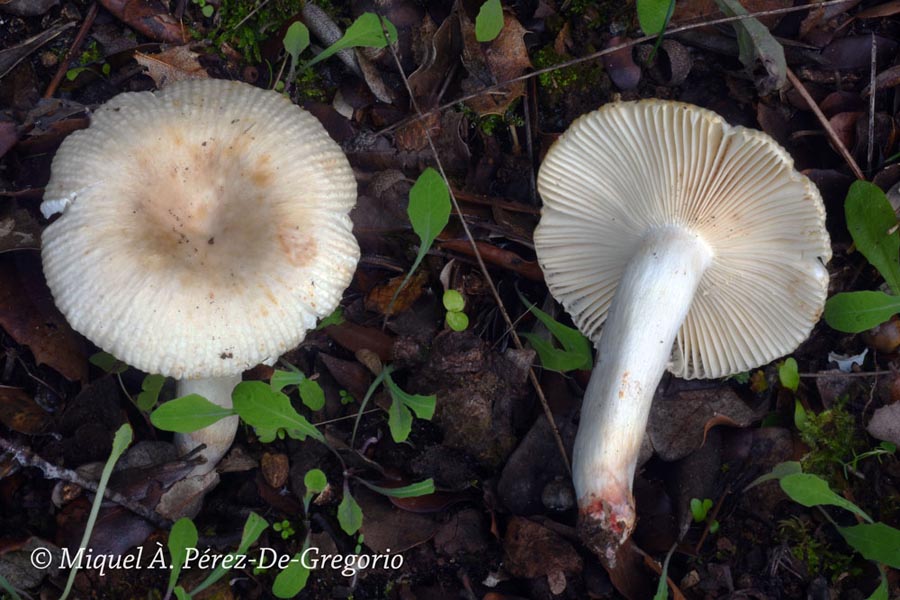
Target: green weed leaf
281	379
264	408
399	421
875	541
778	471
653	15
182	536
335	318
365	31
253	528
489	21
315	481
423	406
150	388
428	210
869	219
789	374
457	321
854	312
811	490
108	363
350	515
575	352
293	578
188	413
453	300
296	40
311	394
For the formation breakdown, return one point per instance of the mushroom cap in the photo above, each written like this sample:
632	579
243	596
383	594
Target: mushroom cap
629	167
205	230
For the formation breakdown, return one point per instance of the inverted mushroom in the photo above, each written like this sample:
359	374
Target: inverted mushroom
696	246
205	229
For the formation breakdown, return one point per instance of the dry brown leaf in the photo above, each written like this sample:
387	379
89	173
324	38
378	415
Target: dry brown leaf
354	337
19	411
492	255
174	64
149	17
379	299
503	59
28	315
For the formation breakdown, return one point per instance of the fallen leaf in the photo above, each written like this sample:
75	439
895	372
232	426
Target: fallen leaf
505	58
149	17
678	424
498	257
28	315
888	9
441	52
388	529
533	550
854	52
844	125
380	298
10	57
174	64
355	337
19	411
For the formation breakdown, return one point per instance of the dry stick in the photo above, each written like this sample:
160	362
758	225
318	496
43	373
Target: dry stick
481	264
842	150
27	458
76	46
610	50
842	374
870	149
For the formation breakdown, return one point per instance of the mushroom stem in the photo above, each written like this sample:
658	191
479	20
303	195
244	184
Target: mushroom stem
218	436
650	303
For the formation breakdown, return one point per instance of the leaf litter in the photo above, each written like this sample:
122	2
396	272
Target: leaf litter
490	451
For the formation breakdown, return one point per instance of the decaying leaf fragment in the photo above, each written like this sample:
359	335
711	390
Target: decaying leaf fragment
503	59
173	64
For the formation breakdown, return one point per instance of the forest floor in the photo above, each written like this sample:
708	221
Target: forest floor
501	523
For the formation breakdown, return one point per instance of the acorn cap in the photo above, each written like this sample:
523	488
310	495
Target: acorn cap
629	167
205	230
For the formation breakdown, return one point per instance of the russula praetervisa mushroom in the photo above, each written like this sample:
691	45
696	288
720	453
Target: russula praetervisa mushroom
696	246
205	229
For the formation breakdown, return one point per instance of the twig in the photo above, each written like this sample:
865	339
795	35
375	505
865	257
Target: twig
823	120
481	264
870	149
842	374
76	46
28	458
601	53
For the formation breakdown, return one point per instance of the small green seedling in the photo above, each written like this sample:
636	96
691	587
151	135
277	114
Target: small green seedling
455	318
429	213
403	405
700	512
284	528
489	21
346	397
207	9
873	225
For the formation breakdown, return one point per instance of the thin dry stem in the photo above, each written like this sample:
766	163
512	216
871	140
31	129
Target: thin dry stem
484	270
823	120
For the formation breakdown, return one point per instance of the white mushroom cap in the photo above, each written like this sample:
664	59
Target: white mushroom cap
206	228
631	167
